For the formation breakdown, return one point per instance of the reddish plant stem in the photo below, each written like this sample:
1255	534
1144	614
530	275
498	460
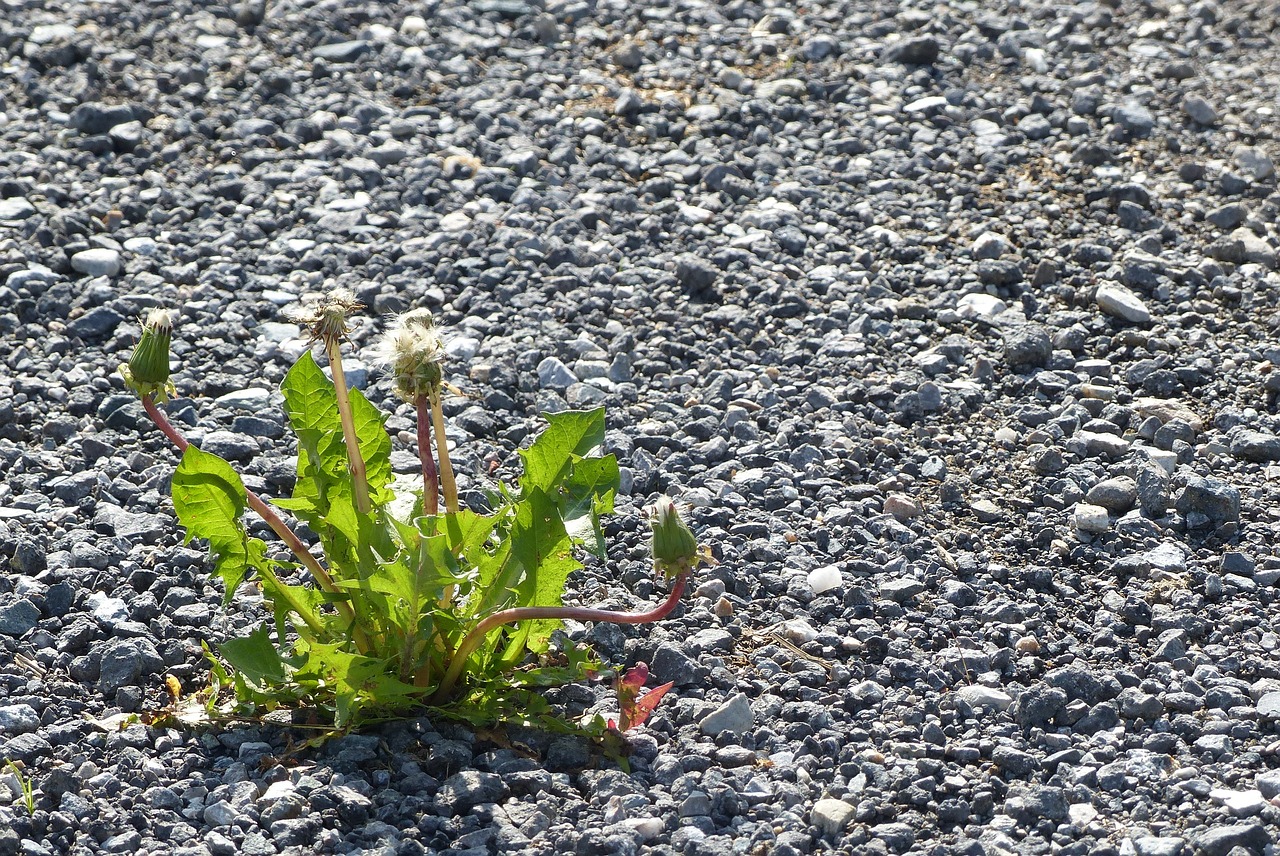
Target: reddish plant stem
430	489
265	511
536	613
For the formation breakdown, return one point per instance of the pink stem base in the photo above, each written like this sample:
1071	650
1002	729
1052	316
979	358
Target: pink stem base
535	613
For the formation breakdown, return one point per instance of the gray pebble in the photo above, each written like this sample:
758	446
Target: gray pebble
1200	110
16	208
733	716
97	262
1215	500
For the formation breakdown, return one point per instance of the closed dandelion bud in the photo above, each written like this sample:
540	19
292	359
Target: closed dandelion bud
147	372
675	549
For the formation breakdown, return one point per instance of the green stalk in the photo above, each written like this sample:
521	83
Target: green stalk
442	447
359	476
430	489
539	613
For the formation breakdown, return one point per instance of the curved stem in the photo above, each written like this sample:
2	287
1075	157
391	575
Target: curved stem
269	516
535	613
430	489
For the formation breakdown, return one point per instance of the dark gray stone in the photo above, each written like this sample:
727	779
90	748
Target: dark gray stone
1027	346
1221	840
1216	500
1255	446
93	117
1153	491
1037	705
97	323
125	661
915	50
463	791
18	616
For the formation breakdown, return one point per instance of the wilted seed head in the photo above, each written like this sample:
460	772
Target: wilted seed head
675	549
147	372
327	318
413	350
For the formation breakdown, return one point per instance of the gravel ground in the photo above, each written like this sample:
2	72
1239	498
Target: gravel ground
954	323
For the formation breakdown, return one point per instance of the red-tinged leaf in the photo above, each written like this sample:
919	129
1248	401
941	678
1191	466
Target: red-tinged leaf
632	708
636	677
645	705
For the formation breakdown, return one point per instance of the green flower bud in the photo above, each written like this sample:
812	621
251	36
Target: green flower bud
675	548
147	372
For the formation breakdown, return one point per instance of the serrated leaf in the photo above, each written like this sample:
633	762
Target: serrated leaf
255	659
543	548
209	499
312	406
569	434
586	493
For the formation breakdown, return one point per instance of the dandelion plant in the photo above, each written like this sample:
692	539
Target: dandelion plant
451	608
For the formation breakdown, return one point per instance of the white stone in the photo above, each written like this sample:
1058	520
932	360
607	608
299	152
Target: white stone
142	246
454	221
462	347
733	716
278	331
1035	58
799	631
107	610
1167	557
697	214
788	86
1119	302
831	816
277	791
990	245
977	695
413	24
824	579
1239	803
221	813
16	208
925	104
1255	162
645	828
1081	814
980	306
98	261
1269	705
1091	518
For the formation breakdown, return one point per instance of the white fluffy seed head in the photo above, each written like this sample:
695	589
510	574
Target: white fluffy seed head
414	352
